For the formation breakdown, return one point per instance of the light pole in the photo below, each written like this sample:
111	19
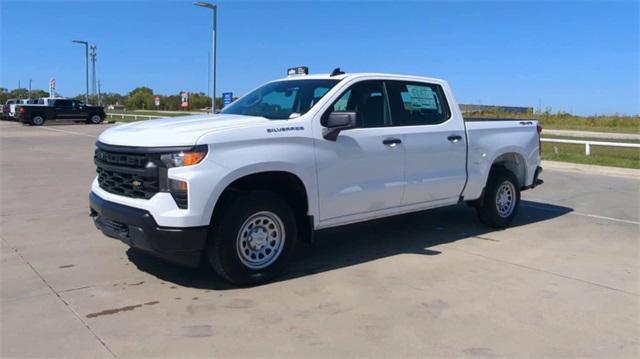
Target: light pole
93	71
213	51
86	51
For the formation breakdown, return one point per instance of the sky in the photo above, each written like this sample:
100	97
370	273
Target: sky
575	56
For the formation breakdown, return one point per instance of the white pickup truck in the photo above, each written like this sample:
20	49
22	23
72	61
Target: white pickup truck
238	189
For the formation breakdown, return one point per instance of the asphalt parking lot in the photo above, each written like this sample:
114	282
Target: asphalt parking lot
564	281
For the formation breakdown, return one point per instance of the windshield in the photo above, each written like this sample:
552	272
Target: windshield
281	99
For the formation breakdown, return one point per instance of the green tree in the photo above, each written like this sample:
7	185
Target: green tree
141	98
199	100
113	98
39	93
19	93
142	89
170	103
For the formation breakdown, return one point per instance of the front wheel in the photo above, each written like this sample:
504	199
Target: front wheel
501	199
254	238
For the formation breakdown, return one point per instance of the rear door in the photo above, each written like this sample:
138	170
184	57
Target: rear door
433	139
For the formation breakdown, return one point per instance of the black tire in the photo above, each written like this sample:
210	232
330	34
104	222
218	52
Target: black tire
226	240
95	119
492	212
37	120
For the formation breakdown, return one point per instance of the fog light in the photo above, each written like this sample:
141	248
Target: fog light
180	192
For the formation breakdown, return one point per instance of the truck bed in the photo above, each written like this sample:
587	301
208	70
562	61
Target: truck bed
509	135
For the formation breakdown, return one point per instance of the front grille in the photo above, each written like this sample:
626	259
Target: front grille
127	184
126	174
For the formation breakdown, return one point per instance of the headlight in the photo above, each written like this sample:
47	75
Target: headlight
184	158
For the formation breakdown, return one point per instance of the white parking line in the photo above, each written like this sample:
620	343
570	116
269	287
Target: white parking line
585	214
65	131
607	218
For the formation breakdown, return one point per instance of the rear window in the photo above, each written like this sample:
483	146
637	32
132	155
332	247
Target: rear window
416	103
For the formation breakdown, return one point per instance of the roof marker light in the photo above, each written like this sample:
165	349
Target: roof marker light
300	70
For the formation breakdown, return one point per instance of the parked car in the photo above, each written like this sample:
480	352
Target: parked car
48	101
8	109
59	109
299	154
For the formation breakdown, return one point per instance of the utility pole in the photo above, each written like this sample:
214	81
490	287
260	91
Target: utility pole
29	88
93	71
99	95
86	57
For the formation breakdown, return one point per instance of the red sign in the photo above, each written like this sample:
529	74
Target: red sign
185	99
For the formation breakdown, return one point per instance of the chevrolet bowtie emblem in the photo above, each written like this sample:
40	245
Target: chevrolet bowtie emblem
136	183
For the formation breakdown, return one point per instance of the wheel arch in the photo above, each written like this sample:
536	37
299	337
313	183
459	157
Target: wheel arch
513	162
283	183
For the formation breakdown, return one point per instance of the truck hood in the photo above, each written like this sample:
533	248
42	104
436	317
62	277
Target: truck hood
174	131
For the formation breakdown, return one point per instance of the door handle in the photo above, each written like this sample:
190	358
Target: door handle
454	138
391	142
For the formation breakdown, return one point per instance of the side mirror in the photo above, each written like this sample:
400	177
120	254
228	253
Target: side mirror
336	122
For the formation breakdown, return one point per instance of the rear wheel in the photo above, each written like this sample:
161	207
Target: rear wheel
499	204
37	120
254	238
95	119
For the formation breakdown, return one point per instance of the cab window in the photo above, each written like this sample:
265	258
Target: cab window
368	100
63	103
415	103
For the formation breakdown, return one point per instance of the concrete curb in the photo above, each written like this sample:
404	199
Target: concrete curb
591	169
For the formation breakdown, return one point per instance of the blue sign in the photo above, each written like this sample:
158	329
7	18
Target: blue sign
227	98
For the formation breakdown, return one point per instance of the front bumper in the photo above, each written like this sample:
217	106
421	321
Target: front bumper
137	228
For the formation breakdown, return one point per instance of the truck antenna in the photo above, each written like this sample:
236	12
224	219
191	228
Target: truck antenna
337	72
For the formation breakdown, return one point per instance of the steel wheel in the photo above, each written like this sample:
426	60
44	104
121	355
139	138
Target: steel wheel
260	240
506	199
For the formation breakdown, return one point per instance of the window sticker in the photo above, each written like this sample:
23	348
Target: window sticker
422	97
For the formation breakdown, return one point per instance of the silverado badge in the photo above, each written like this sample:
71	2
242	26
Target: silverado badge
136	183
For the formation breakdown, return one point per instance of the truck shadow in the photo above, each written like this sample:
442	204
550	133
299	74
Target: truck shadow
335	248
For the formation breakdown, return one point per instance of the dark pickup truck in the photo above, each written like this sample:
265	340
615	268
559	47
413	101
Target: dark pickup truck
59	109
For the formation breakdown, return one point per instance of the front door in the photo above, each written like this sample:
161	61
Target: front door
63	110
79	110
362	171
